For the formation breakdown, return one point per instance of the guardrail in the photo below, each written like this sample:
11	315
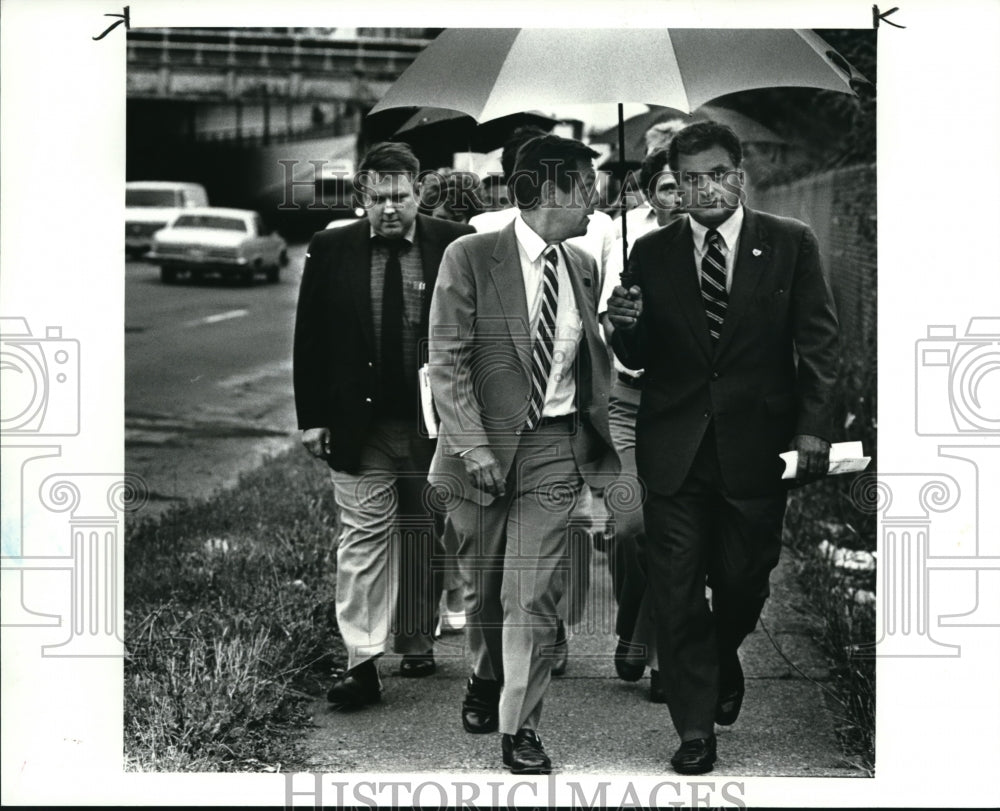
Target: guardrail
374	58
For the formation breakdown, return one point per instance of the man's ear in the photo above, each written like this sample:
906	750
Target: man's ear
547	192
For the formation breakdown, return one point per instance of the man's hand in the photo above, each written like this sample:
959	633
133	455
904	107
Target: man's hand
317	441
625	307
483	470
814	458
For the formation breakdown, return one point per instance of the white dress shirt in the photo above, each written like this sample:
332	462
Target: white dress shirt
597	241
561	392
730	233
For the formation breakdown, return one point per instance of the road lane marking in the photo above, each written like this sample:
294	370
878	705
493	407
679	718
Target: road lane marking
215	319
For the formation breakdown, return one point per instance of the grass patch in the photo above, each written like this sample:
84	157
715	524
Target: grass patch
840	599
229	622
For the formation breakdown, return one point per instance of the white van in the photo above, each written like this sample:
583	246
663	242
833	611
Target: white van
151	204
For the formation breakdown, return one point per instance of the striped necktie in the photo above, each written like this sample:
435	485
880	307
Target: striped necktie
545	334
713	284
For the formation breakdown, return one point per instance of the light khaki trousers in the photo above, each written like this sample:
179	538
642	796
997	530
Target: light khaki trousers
513	555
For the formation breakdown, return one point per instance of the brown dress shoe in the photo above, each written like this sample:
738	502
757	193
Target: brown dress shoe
417	665
356	688
694	757
481	706
629	664
523	753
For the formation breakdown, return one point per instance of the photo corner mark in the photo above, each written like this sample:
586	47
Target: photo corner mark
120	18
879	17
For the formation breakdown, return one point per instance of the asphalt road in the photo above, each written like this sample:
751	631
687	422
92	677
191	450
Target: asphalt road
208	386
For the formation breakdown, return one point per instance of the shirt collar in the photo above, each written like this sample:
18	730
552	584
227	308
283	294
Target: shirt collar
532	244
643	211
729	230
409	237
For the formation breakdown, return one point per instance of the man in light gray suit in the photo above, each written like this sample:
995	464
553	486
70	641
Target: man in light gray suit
520	379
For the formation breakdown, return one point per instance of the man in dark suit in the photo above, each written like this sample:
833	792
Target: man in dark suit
360	327
730	315
520	377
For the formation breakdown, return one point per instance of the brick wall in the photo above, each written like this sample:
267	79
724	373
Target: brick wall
840	207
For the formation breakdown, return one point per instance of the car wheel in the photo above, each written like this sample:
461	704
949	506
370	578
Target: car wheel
274	275
246	277
283	259
168	275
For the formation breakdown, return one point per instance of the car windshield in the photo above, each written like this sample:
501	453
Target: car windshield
151	198
209	221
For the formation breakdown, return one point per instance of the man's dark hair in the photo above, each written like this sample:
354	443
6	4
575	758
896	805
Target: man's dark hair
390	158
517	139
548	157
704	135
652	167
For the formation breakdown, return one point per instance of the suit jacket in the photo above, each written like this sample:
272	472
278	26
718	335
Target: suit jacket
769	378
335	348
480	361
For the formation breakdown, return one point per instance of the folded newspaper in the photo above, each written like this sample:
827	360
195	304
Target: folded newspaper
845	457
427	401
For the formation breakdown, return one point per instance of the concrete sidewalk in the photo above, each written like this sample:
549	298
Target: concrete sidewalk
592	722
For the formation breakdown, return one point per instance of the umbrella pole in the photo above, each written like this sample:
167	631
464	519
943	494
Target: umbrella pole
622	172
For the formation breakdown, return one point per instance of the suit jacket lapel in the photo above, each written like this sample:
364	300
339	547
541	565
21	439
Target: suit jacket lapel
584	295
357	264
752	262
679	263
509	281
426	237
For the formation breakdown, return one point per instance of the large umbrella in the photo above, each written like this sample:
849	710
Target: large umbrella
491	72
432	124
748	130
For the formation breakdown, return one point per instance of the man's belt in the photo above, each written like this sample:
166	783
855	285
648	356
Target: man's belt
631	381
560	418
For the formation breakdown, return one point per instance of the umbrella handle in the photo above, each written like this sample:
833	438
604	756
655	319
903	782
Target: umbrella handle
626	276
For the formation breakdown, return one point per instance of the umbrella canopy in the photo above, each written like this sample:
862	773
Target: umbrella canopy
464	133
748	130
490	72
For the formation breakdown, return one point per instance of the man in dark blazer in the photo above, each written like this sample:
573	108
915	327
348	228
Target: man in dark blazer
360	329
730	315
520	377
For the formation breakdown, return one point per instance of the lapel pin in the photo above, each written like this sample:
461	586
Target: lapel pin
756	251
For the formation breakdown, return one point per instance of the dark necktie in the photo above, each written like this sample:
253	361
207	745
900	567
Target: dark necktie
713	284
545	336
393	378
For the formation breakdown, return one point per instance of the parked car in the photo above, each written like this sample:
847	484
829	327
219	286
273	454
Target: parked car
232	242
151	204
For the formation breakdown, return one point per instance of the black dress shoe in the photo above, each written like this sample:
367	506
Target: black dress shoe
627	664
656	692
694	757
481	706
560	651
355	689
731	690
523	753
417	665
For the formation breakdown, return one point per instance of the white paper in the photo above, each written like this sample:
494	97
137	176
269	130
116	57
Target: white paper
845	457
427	403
